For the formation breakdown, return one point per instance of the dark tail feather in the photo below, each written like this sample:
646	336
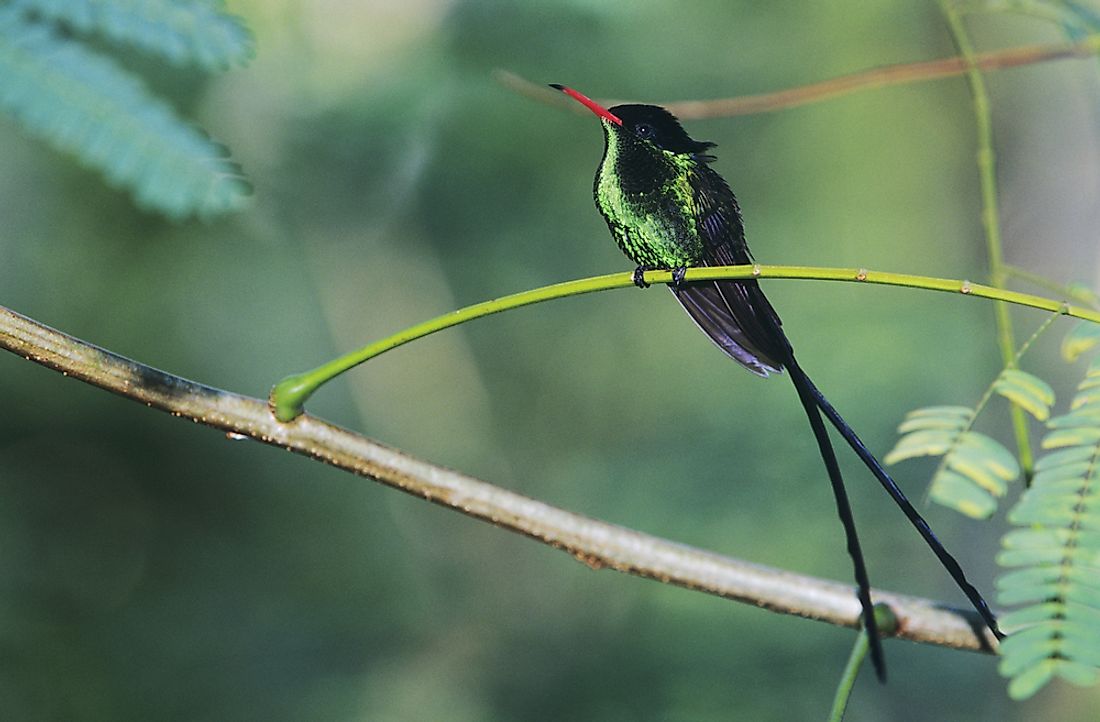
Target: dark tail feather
811	399
900	499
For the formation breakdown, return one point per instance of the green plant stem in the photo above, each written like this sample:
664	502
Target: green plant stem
887	623
1080	294
288	397
987	172
848	677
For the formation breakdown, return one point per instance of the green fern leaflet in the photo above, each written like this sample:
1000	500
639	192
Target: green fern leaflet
1027	391
1055	555
185	32
84	103
1083	337
975	470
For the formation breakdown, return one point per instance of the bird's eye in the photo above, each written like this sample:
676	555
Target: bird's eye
644	130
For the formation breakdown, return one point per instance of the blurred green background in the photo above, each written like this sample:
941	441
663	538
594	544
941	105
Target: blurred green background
153	569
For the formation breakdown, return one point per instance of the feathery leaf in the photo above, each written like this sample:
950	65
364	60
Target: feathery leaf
1082	337
83	103
1055	557
975	469
185	32
957	492
1027	391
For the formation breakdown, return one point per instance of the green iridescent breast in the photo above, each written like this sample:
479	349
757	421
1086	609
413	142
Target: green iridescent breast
645	195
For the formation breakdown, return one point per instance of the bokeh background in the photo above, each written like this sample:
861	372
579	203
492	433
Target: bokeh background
153	569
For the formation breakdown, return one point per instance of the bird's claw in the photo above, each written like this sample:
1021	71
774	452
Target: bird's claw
678	276
639	277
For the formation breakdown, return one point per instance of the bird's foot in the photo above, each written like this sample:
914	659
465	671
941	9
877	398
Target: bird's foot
678	277
639	276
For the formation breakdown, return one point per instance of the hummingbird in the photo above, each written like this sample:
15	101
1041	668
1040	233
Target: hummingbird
668	209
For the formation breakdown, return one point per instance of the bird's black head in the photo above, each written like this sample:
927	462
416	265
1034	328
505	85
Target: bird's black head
650	123
658	126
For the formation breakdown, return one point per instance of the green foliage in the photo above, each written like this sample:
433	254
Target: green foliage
84	103
975	469
1082	338
185	32
1078	21
1056	556
1027	391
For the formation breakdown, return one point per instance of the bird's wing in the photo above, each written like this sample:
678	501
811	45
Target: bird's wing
735	314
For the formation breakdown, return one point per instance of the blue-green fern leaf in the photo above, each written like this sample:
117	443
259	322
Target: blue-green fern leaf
185	32
1027	391
1055	557
1082	337
1078	20
957	492
975	470
83	103
1082	292
936	418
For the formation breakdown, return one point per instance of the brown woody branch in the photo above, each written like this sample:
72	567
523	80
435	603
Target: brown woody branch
596	543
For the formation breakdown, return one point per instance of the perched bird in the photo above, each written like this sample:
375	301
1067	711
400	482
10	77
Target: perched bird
668	209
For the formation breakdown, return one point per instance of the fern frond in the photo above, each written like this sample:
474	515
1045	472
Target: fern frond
85	104
1078	20
1082	337
1082	292
1027	391
1055	557
185	32
975	470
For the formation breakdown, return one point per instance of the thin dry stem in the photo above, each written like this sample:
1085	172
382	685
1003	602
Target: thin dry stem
832	88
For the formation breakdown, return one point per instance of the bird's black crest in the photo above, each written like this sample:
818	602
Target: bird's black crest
657	125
